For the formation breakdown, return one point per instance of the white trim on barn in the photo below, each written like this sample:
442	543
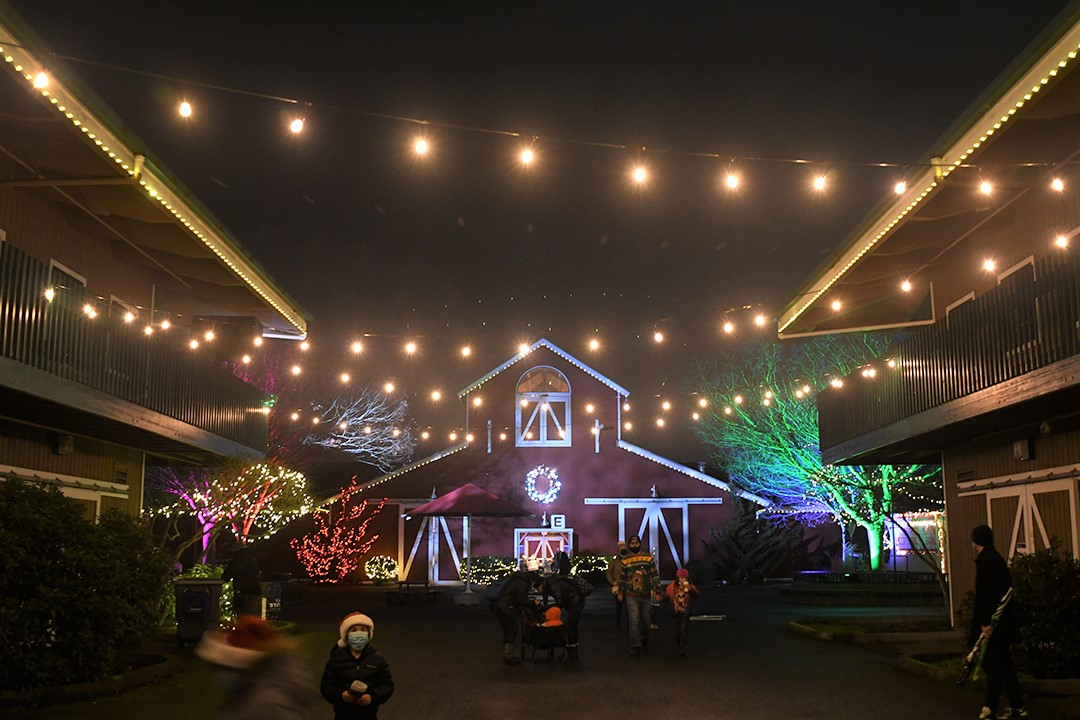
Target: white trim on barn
707	479
558	351
654	521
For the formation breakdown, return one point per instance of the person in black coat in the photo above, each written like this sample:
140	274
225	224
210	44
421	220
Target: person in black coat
992	581
512	604
356	680
566	594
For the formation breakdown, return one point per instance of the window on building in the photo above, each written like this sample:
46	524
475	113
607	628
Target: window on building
543	408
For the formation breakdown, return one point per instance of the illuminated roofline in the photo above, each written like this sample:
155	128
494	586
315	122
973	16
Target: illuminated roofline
929	181
558	351
157	186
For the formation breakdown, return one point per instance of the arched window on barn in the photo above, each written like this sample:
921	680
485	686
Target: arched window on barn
543	408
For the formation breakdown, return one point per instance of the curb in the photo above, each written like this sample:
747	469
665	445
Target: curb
912	665
163	666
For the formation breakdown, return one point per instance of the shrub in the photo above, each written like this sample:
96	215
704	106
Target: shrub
487	569
75	596
1048	609
381	567
201	571
748	548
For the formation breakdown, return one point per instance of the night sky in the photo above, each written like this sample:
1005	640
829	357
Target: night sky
466	246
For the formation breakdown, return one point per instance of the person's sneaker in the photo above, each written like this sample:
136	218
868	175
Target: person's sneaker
986	713
1010	713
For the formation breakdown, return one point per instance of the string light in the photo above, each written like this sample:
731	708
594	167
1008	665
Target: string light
436	396
658	337
906	286
258	340
296	126
466	351
209	336
589	408
194	344
1057	184
665	405
527	156
477	402
421	147
989	265
184	109
1061	241
759	320
50	294
659	422
640	174
836	383
388	388
626	407
41	81
594	344
986	188
305	346
129	317
315	420
729	327
410	348
523	348
357	347
696	416
148	330
246	359
628	425
425	435
344	377
295	416
836	305
728	410
703	402
295	370
819	183
900	188
165	325
732	181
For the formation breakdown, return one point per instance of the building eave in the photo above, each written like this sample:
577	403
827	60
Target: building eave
697	475
983	125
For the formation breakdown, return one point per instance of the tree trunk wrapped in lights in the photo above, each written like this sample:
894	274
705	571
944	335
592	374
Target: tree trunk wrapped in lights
762	424
334	549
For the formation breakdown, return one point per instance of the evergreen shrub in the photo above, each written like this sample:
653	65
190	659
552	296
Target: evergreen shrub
1047	587
75	596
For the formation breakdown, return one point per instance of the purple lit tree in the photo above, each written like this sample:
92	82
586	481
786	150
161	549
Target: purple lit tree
762	425
252	501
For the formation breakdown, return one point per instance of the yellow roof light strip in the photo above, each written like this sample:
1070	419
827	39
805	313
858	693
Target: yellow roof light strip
155	185
1058	57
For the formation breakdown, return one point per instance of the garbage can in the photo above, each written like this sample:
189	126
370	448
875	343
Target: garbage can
198	607
272	596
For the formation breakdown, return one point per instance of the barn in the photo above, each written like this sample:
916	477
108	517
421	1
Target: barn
545	433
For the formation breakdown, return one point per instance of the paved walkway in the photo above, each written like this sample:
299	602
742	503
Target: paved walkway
446	662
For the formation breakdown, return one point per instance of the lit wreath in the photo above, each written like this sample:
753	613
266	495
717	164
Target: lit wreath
554	486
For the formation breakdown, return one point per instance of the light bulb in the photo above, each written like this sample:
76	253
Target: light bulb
296	370
759	320
527	156
246	359
594	344
1057	184
732	181
296	126
985	187
388	388
989	265
345	377
906	286
1061	241
835	305
658	337
357	347
421	146
41	80
436	395
477	402
466	351
129	316
729	328
185	109
819	183
640	174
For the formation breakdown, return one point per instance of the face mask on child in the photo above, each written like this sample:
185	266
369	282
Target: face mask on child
358	639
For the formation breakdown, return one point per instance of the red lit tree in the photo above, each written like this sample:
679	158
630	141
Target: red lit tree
336	546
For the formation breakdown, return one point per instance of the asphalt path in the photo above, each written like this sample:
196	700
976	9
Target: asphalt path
447	664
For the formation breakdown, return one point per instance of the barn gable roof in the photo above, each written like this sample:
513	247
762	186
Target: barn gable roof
679	467
558	351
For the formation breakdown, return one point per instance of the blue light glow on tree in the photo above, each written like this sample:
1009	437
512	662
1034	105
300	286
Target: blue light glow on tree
762	425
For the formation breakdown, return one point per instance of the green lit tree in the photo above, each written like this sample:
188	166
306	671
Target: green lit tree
762	425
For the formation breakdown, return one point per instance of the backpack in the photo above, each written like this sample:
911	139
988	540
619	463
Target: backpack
494	590
584	586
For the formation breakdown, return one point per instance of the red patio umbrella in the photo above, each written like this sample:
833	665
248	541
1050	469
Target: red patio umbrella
468	501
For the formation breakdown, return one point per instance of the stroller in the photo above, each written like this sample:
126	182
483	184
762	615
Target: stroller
544	632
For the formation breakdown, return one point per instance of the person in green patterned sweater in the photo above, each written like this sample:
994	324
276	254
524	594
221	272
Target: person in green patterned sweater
639	586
